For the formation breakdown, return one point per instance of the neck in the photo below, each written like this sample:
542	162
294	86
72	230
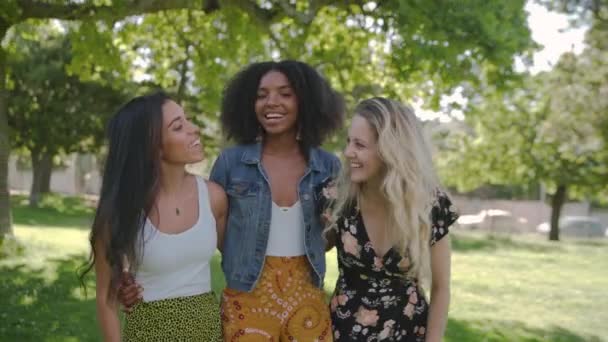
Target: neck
172	177
372	196
285	144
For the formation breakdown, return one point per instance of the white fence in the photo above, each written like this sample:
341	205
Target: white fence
82	176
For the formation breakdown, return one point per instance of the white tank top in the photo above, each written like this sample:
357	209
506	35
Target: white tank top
177	265
286	237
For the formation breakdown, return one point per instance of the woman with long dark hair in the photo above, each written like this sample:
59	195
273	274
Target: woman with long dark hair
158	222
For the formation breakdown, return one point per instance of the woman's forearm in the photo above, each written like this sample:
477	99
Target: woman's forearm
438	314
109	324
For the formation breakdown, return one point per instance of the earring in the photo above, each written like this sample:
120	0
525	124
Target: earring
299	134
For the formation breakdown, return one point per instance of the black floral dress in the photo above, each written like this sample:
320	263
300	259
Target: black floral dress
373	299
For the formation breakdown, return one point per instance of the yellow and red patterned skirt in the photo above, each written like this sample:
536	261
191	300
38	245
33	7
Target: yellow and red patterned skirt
284	306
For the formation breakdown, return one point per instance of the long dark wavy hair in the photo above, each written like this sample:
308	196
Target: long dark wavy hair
320	107
130	182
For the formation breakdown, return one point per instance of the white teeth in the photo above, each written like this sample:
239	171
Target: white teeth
197	142
273	116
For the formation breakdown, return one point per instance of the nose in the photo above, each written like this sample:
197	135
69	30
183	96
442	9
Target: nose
272	99
348	151
194	129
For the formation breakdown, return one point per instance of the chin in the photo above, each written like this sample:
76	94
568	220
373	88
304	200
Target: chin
197	160
277	130
357	180
195	157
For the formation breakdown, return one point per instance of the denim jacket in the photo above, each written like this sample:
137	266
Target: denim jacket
239	171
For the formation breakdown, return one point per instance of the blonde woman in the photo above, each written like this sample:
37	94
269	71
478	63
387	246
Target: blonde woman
389	222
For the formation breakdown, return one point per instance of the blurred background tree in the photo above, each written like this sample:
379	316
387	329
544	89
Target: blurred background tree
403	49
550	129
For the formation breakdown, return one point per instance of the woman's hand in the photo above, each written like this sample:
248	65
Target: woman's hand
129	292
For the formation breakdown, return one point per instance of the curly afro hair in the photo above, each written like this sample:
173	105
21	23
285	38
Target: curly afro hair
320	107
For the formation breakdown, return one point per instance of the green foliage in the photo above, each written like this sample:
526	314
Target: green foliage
552	129
400	49
9	9
49	110
94	55
439	45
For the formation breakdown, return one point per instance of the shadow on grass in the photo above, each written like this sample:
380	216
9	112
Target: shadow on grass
38	305
465	242
490	331
53	211
590	243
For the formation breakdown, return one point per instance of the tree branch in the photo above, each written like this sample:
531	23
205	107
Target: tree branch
304	18
87	10
313	8
188	43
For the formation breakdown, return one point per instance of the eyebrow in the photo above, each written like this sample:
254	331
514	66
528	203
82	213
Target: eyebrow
359	140
174	120
286	86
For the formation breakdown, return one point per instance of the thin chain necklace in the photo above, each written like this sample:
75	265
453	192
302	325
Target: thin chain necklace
179	203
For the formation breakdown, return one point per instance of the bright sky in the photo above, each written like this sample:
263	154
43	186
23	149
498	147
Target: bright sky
551	30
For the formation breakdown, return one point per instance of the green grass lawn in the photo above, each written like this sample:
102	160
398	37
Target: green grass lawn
503	289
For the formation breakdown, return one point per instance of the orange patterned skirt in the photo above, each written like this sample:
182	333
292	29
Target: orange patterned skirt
284	306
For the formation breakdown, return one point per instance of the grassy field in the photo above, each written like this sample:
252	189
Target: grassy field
503	289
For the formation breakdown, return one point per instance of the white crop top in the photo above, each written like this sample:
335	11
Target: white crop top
286	237
177	265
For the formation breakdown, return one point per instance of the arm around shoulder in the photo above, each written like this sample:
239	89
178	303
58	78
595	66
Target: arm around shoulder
218	172
219	208
336	166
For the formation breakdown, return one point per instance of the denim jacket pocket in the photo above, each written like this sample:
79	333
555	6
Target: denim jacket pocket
243	197
242	189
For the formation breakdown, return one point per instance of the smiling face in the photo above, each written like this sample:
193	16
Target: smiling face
181	142
276	105
361	152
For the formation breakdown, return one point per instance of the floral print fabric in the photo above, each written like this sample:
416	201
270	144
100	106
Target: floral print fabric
373	299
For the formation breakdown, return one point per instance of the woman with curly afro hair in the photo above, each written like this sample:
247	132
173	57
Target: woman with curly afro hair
278	113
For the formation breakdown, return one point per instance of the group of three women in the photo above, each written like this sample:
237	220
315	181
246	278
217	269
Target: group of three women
273	205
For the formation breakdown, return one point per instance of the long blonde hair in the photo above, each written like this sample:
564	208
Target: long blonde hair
410	182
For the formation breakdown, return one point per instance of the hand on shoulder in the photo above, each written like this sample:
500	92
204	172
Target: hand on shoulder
218	198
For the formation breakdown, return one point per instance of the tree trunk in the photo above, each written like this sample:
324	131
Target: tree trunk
42	165
46	173
557	202
6	224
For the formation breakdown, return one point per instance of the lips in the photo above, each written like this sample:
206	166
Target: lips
354	165
196	143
